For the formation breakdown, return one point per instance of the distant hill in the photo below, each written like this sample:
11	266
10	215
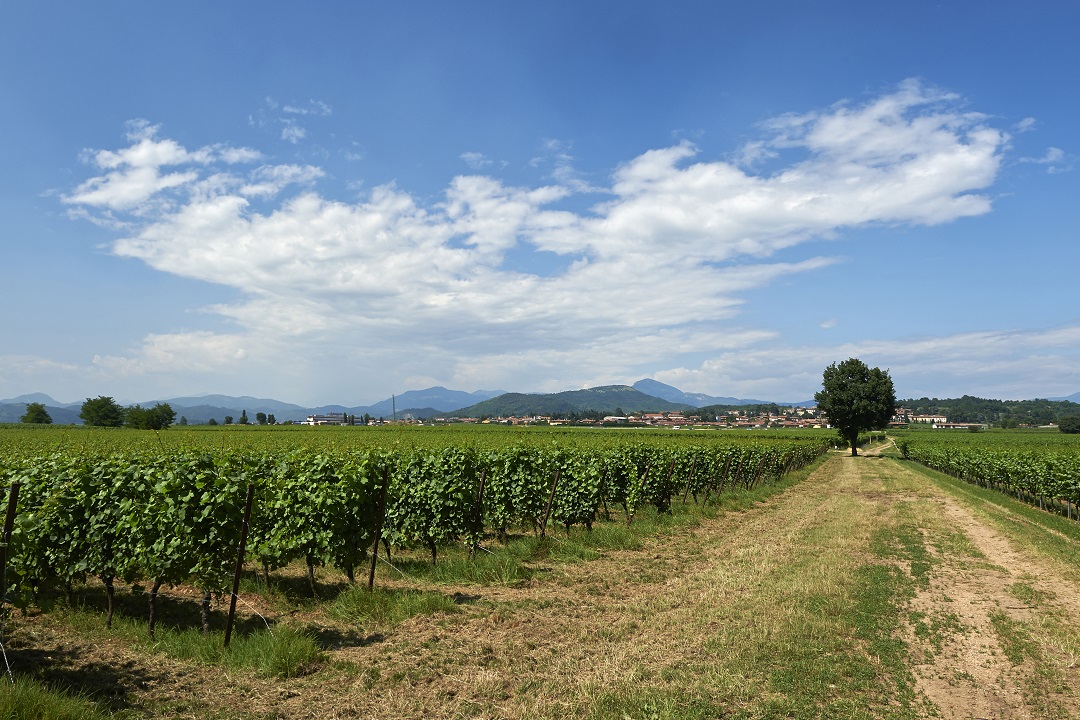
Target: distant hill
673	394
31	398
435	398
418	403
1075	397
606	399
12	412
281	410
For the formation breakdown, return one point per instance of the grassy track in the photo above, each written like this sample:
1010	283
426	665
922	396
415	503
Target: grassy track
870	589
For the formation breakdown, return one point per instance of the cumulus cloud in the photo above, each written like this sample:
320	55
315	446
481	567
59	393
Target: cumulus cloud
999	362
135	173
657	269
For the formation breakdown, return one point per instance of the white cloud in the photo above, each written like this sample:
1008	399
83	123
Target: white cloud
475	160
557	154
313	107
135	172
293	133
199	352
1026	125
288	117
271	179
1053	157
1006	364
659	269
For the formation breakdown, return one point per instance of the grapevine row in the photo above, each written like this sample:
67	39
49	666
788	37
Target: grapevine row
1043	476
172	517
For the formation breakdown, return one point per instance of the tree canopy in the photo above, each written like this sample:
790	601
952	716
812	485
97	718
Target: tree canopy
36	414
1070	424
159	417
102	411
855	398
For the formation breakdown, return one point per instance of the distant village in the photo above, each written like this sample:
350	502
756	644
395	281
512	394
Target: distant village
791	417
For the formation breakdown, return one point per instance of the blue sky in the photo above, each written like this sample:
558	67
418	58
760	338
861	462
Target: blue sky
339	201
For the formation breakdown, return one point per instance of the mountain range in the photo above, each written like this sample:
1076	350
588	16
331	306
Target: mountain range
200	409
645	395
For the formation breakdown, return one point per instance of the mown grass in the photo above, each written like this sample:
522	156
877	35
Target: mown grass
26	699
801	614
524	557
283	651
381	608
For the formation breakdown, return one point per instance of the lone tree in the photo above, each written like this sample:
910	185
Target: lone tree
856	398
36	414
159	417
102	411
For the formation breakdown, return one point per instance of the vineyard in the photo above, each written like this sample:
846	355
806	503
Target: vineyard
1039	468
168	508
533	573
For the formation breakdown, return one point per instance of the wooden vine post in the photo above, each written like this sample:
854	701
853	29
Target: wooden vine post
478	530
378	529
5	537
690	479
551	498
239	562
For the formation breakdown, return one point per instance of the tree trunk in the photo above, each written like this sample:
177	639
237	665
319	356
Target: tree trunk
110	594
204	612
153	607
311	575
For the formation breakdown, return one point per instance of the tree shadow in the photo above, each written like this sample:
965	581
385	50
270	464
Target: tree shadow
106	684
294	588
175	610
335	638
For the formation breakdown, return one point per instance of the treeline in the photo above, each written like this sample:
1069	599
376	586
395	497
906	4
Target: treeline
709	411
1002	413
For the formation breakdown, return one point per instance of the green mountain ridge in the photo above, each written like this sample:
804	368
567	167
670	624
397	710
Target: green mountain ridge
606	399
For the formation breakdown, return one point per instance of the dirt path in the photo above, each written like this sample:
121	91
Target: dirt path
971	668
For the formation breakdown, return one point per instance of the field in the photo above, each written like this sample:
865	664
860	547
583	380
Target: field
864	587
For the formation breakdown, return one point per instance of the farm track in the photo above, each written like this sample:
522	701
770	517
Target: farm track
710	616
